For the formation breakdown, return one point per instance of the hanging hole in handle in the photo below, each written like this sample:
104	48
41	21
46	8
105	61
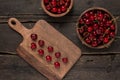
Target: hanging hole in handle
13	22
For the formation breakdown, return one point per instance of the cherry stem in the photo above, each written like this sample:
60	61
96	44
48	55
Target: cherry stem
105	31
115	18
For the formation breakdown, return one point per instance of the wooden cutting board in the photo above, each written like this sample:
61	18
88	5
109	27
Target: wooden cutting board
51	37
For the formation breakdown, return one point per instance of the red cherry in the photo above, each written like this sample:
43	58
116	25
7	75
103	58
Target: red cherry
59	11
87	15
81	21
112	34
67	4
41	43
46	1
90	29
91	37
95	26
100	16
81	30
62	2
112	27
87	21
48	58
41	52
87	40
106	40
57	65
54	3
108	23
67	1
48	7
98	31
91	12
34	37
50	49
101	38
94	43
54	10
33	46
107	31
92	17
57	54
63	9
94	33
65	60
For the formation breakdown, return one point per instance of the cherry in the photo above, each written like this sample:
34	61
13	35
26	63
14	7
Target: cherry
90	29
87	40
108	23
62	2
57	54
67	4
65	60
34	37
81	21
95	26
101	38
112	27
87	15
50	49
67	1
94	43
106	40
107	31
94	33
98	31
92	17
112	34
33	46
41	52
81	30
41	43
54	10
48	58
54	3
48	7
87	21
46	1
63	9
57	64
59	11
100	16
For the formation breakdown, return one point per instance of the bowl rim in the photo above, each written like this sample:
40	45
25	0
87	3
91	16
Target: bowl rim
56	15
101	46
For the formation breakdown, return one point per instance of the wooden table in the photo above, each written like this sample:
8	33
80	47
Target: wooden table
103	64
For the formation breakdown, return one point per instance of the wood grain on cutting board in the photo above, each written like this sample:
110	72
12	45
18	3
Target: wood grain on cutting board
51	37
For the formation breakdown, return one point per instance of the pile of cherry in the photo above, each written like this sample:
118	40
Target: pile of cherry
57	6
50	49
96	27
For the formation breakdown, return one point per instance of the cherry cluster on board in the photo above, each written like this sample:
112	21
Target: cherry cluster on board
50	50
96	27
57	6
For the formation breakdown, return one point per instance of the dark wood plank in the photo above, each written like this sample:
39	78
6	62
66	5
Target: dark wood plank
34	6
10	43
88	67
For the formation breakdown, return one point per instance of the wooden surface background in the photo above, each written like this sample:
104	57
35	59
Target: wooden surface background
103	64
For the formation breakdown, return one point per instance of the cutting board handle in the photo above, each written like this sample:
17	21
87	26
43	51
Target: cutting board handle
17	26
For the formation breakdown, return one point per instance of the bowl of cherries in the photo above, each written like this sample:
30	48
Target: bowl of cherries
96	28
57	8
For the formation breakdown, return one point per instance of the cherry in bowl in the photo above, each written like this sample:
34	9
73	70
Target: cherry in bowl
57	8
96	28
